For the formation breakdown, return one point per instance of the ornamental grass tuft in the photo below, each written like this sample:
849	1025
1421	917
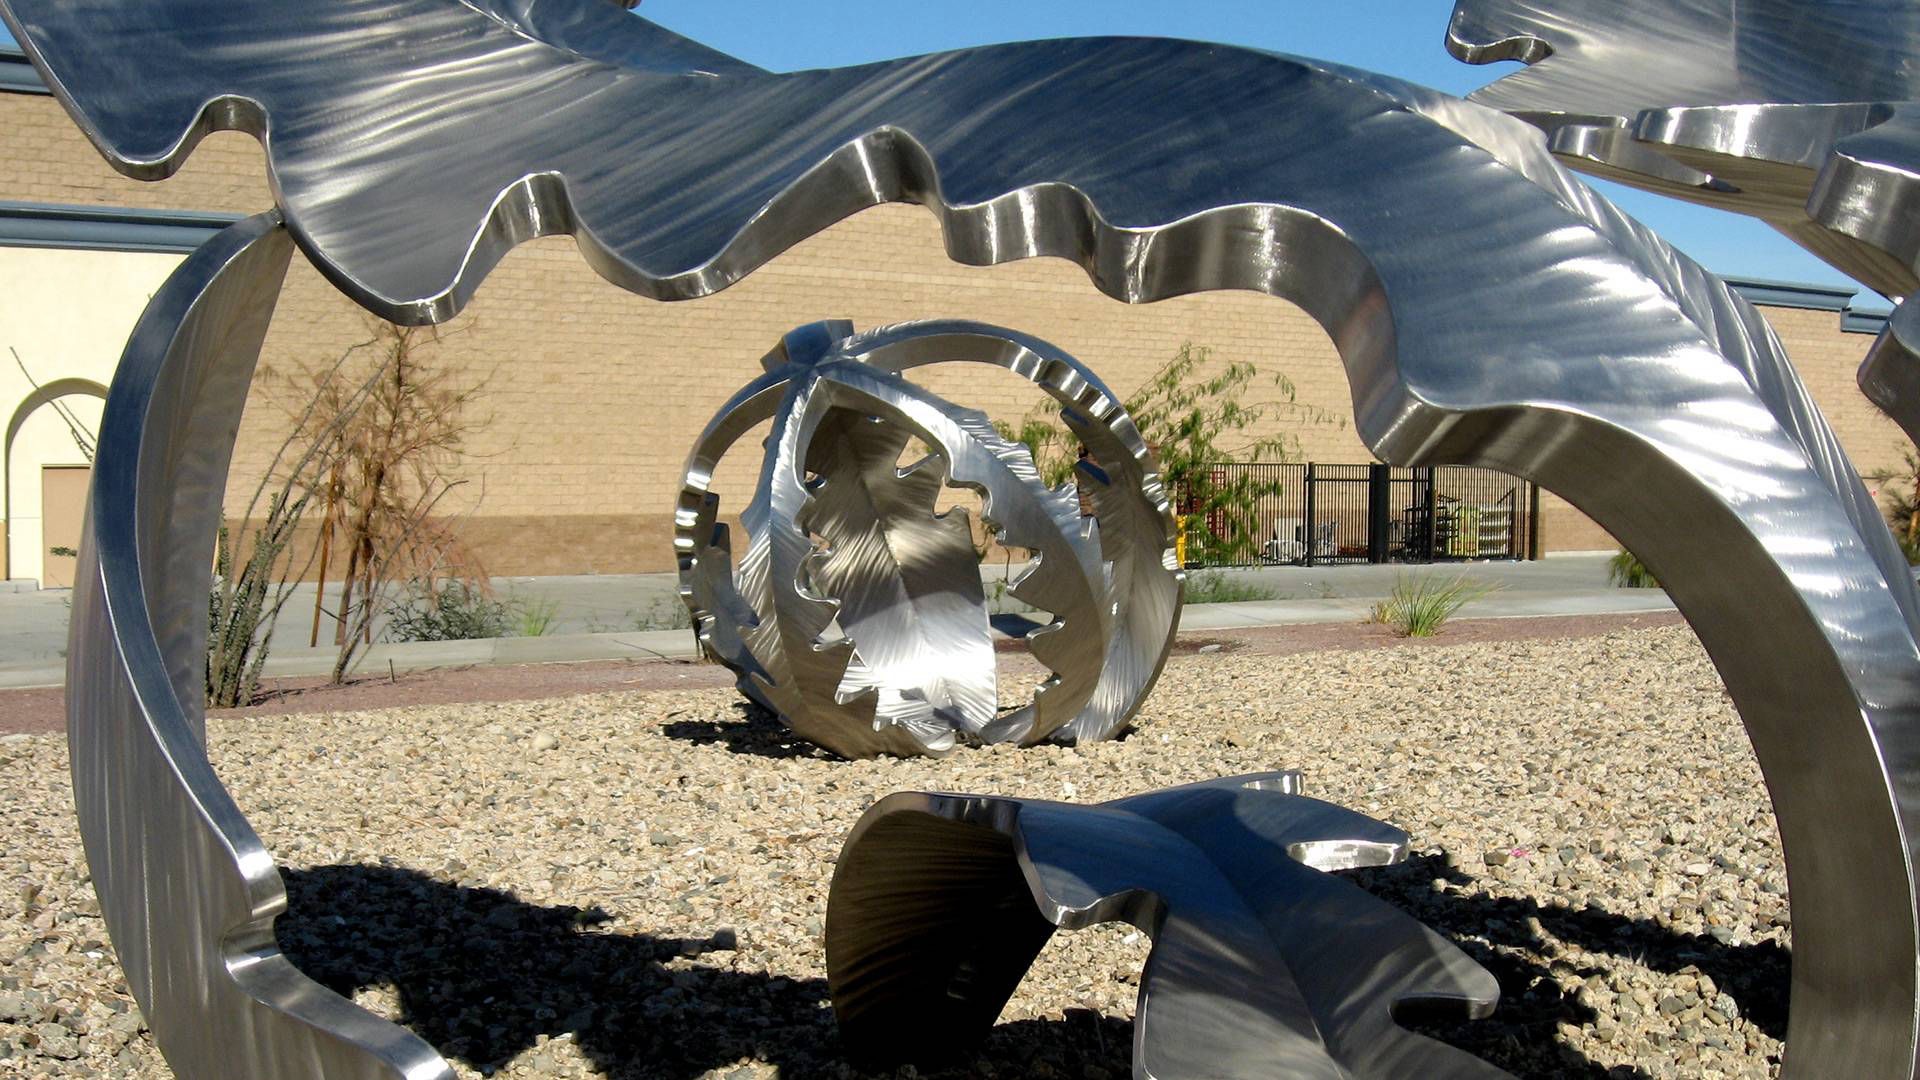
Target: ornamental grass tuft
1420	606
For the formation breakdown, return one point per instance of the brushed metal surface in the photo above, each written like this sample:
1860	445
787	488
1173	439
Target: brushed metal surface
187	890
874	637
1264	964
1802	113
1489	309
1144	584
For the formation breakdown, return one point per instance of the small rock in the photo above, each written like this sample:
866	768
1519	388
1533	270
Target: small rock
57	1042
545	741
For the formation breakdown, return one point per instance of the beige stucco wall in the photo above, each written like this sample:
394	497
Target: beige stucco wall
67	315
591	396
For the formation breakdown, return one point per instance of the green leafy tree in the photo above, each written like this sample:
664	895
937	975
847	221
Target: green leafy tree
1199	412
1900	501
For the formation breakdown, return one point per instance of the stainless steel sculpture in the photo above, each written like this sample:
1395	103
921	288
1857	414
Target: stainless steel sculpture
1489	309
1805	115
1263	964
188	890
876	639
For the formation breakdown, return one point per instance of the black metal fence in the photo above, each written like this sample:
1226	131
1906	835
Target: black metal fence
1318	514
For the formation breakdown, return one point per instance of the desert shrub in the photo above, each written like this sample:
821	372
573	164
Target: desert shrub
249	590
245	602
395	436
534	616
453	611
664	613
1420	606
1626	571
1215	587
1899	491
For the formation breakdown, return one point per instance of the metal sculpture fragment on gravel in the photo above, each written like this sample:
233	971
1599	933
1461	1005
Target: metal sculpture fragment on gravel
1264	964
1489	309
1804	115
858	612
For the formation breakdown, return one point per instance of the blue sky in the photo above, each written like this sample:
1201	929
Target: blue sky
1398	37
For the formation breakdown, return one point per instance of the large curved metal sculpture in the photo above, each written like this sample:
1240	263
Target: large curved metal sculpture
876	640
1804	115
188	890
1488	308
1263	964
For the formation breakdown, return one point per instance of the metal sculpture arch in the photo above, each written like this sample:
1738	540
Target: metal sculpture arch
1490	311
913	669
1806	116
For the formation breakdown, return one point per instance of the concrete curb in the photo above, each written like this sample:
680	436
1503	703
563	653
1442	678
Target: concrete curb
680	644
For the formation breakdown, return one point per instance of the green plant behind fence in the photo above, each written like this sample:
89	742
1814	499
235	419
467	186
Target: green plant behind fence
1196	412
1420	606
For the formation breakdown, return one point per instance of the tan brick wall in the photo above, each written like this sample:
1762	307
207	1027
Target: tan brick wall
1829	362
48	160
593	396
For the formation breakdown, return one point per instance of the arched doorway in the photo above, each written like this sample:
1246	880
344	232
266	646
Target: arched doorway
49	459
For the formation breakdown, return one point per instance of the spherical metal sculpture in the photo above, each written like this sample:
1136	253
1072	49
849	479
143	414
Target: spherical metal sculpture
858	613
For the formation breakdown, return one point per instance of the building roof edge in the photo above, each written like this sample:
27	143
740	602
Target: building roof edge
107	228
17	73
1812	297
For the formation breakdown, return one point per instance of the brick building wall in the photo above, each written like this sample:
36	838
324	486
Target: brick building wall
592	396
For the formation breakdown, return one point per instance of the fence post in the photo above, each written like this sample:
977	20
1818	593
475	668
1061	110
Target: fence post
1379	498
1310	528
1433	512
1533	522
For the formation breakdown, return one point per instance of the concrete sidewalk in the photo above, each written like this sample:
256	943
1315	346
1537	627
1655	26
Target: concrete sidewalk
613	618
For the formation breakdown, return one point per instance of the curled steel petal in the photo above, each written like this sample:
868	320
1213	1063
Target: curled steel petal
911	666
1263	964
187	889
1803	114
1488	308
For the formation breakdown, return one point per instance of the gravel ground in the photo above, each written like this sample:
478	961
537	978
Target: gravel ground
633	884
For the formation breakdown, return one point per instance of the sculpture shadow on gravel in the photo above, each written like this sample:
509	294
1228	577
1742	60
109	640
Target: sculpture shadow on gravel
1758	975
484	975
756	731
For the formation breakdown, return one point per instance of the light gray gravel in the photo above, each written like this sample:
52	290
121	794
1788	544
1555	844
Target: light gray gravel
633	885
